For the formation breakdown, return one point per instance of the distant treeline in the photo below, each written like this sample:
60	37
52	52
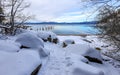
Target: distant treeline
37	23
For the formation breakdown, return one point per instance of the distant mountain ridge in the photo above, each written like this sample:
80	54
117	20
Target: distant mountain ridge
90	22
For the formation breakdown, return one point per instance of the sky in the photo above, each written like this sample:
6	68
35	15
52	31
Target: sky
62	10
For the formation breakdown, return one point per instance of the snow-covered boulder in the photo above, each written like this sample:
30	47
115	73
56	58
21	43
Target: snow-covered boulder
93	55
67	42
9	46
29	40
78	49
85	50
80	66
48	36
43	52
86	69
21	63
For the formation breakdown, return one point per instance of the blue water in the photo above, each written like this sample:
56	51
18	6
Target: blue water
67	29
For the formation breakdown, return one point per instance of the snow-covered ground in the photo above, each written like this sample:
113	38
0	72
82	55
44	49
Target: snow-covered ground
23	53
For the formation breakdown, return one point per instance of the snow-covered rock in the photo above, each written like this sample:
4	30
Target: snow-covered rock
78	49
20	63
9	46
43	52
29	40
85	50
67	42
93	53
86	69
79	66
48	36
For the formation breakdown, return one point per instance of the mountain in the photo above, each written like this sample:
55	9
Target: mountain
91	22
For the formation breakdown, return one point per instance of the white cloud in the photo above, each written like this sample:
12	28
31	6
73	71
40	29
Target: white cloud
73	17
57	10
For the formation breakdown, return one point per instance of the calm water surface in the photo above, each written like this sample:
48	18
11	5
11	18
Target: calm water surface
66	29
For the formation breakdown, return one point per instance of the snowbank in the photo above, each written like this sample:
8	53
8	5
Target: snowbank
20	63
3	37
9	46
20	31
86	69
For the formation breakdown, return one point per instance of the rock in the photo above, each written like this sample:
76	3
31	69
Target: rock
21	47
48	36
43	52
67	42
93	55
28	40
55	40
87	40
64	45
97	48
91	59
35	72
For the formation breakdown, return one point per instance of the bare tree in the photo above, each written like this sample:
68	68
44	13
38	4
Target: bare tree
15	8
109	26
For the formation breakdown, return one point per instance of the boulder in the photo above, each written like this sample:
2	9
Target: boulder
48	36
28	40
67	42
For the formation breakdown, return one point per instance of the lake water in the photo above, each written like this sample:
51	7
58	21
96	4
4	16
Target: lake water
75	29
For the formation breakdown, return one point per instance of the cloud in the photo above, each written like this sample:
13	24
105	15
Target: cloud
58	10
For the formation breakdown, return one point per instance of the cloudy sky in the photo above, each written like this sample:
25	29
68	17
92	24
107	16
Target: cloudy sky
61	10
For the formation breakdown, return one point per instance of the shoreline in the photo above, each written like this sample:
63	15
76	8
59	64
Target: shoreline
84	35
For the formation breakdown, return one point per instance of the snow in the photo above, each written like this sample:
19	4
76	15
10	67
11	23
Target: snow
3	37
67	42
19	63
67	63
48	36
29	40
78	49
33	42
9	46
45	35
71	60
19	31
55	59
43	52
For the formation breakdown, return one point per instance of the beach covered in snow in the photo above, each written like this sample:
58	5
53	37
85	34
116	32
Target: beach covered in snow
45	53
